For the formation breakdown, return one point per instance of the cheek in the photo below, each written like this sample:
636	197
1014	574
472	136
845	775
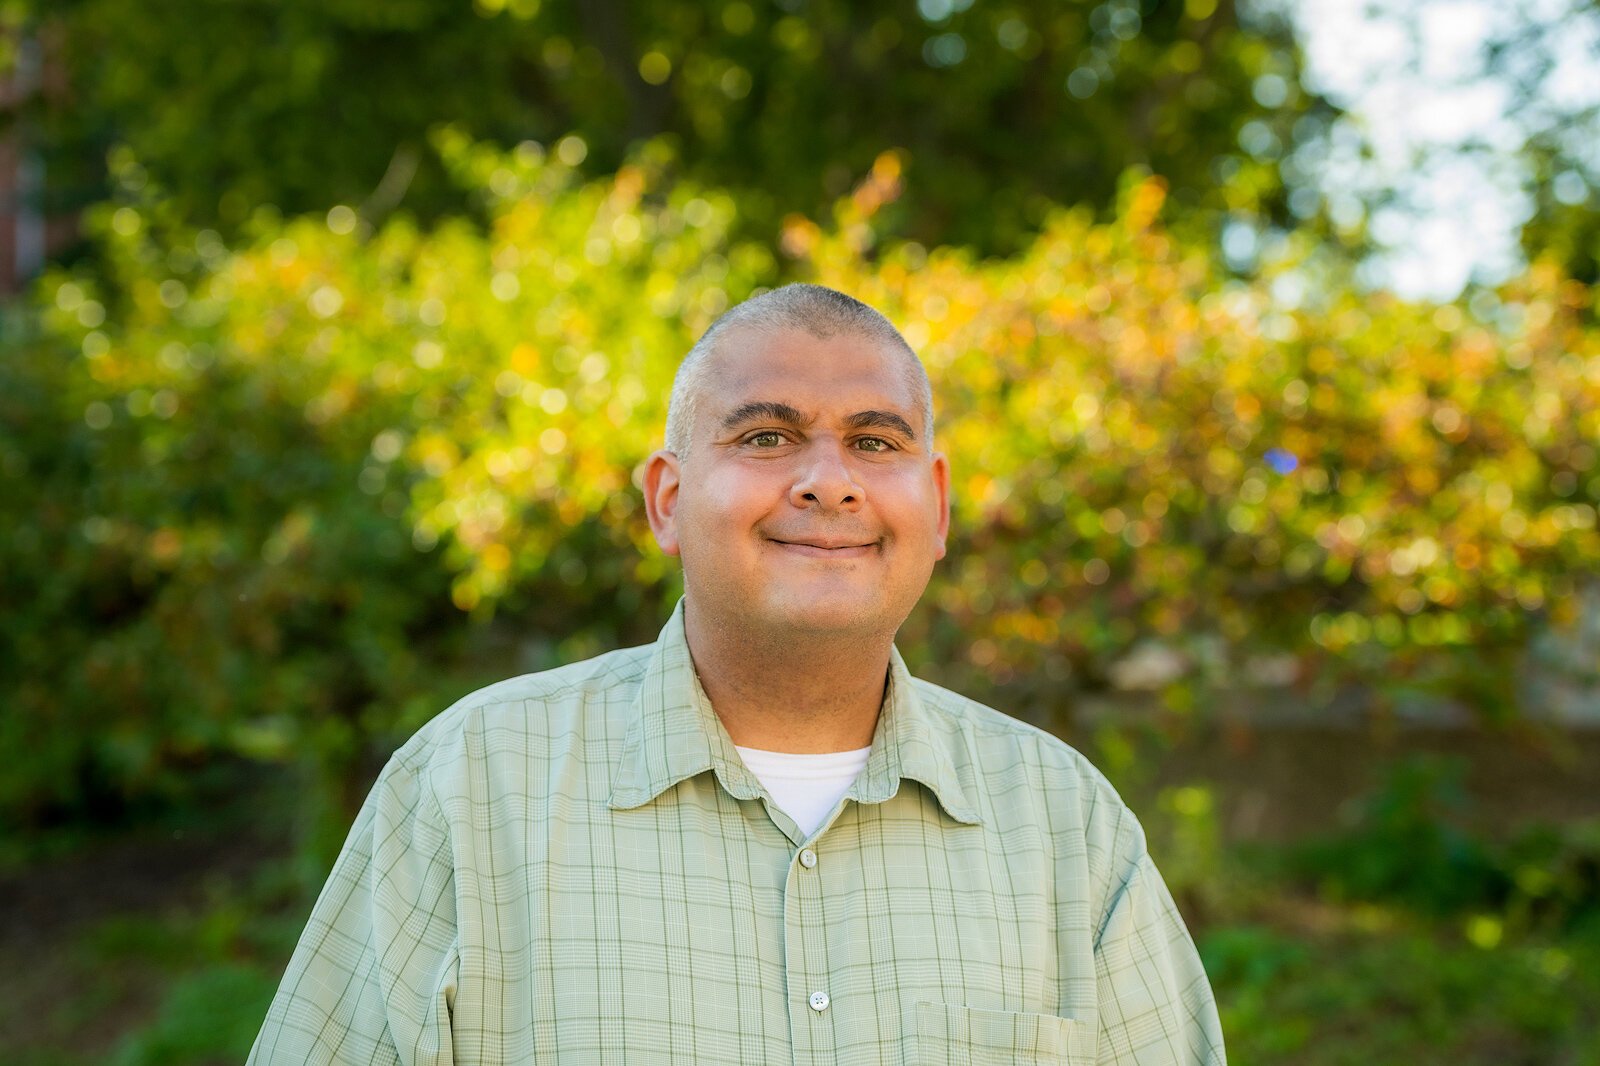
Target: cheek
913	501
723	506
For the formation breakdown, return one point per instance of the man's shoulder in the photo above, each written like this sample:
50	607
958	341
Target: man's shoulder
1011	758
602	676
547	701
989	727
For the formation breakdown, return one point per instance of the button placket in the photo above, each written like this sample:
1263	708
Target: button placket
812	1014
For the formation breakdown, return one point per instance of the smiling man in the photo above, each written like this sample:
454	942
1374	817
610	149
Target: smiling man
758	840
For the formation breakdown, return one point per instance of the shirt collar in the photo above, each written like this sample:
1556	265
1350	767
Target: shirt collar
674	735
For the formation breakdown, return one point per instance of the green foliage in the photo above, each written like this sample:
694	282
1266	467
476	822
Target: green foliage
211	1015
1185	834
1385	490
258	484
207	972
1401	993
235	467
1411	843
1554	874
1004	109
1422	940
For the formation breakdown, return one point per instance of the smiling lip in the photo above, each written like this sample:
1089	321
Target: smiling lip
825	550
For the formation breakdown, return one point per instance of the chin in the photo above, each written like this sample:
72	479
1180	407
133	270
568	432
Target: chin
822	615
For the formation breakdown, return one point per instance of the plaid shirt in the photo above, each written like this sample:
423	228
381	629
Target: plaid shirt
575	867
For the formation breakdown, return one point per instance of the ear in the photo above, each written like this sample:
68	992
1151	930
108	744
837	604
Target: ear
941	488
661	480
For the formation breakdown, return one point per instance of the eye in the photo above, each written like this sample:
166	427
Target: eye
874	444
765	439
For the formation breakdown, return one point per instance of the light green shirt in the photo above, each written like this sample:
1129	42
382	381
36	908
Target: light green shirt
575	867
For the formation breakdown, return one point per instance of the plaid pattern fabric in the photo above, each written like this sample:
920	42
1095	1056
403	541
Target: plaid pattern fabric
575	867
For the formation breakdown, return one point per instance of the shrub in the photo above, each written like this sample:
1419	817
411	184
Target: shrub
259	490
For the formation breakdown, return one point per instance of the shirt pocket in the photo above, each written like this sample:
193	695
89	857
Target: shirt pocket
948	1035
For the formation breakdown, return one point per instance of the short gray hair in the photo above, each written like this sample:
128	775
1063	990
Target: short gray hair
816	309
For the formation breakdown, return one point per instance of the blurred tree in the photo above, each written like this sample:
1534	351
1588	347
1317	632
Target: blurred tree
1553	67
251	494
257	486
1468	148
1003	108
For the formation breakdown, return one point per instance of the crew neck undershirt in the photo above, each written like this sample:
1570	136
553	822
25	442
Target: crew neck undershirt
805	787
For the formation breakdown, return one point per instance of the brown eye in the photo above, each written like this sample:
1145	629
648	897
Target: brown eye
873	444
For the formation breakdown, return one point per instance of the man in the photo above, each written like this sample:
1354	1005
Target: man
758	840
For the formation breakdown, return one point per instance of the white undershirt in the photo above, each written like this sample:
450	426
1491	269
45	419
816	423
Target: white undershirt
805	787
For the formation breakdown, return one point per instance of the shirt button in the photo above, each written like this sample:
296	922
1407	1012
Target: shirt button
819	1001
808	859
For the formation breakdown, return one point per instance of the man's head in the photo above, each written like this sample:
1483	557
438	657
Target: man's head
799	485
814	309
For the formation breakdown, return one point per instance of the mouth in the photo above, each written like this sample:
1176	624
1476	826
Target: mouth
826	549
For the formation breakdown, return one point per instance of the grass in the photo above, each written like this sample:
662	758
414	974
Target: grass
1357	986
187	987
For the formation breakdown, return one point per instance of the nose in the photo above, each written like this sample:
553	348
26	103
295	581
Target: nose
825	479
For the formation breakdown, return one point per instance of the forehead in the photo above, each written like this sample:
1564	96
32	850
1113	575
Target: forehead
840	374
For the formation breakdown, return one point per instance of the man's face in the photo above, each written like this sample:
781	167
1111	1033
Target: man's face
808	501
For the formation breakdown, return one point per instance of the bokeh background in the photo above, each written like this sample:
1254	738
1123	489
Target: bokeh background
1265	343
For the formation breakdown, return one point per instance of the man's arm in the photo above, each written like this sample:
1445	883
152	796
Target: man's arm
373	978
1155	1002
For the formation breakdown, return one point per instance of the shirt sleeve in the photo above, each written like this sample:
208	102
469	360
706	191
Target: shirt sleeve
374	976
1156	1006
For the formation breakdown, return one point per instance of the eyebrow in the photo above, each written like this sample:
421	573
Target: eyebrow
784	414
764	411
881	420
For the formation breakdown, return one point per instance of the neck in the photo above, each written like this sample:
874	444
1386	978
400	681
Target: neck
800	693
